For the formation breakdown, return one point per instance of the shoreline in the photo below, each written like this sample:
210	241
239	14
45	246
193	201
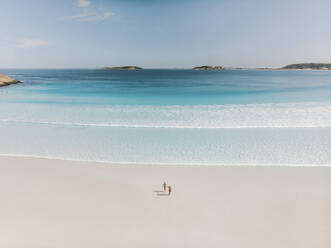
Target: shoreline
127	163
70	204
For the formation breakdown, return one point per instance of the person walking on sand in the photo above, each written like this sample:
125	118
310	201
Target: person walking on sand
169	189
164	187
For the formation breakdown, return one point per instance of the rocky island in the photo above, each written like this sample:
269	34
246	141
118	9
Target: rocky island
128	67
308	66
208	67
5	80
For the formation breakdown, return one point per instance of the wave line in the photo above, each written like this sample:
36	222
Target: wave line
164	126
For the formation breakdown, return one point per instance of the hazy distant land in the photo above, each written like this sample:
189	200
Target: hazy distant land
128	67
300	66
208	67
308	66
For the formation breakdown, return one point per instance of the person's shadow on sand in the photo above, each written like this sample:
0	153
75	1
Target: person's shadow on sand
160	193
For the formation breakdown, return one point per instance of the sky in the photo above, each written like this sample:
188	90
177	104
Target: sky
163	33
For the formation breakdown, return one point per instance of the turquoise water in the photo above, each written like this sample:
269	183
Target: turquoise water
236	117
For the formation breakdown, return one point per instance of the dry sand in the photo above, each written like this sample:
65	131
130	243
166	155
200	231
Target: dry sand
65	204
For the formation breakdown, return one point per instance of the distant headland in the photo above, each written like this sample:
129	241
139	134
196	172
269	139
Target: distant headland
5	80
208	67
308	66
301	66
128	67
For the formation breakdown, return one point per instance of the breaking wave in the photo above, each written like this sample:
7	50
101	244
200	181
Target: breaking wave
286	115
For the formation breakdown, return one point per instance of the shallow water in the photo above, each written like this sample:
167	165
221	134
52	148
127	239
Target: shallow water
169	116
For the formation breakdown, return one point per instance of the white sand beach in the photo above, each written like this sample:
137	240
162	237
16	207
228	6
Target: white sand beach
53	203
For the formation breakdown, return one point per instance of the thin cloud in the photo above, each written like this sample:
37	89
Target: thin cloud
82	3
92	16
90	13
106	15
81	17
31	43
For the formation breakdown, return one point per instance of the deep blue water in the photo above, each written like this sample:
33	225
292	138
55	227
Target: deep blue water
169	116
176	87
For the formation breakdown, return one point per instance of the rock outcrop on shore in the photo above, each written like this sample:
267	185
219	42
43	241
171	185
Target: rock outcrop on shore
208	67
5	80
308	66
129	67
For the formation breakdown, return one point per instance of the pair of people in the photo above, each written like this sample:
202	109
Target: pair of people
165	188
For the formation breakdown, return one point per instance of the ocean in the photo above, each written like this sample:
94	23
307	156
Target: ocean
163	116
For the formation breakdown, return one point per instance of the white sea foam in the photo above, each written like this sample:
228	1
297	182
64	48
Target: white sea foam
270	146
163	126
291	134
289	115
